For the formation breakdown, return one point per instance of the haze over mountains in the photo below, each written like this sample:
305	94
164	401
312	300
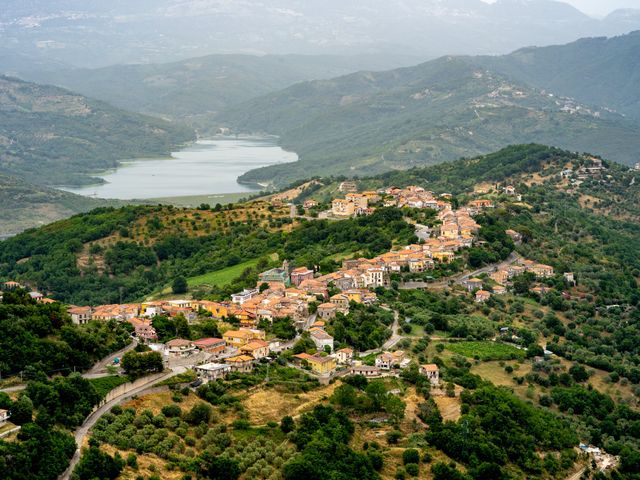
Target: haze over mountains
94	33
197	88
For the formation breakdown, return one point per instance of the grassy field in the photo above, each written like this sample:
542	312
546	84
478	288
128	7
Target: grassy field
486	350
104	385
221	277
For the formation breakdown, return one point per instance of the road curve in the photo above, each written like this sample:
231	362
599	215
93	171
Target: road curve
91	420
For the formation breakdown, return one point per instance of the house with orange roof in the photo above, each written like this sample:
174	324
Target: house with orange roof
80	315
240	363
179	347
143	330
359	200
215	346
256	348
317	363
344	356
432	372
238	338
482	296
300	274
327	310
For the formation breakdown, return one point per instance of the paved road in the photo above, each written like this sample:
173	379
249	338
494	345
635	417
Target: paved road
395	337
108	360
97	371
510	260
91	420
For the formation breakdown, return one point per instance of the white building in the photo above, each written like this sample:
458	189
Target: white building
4	416
321	339
212	371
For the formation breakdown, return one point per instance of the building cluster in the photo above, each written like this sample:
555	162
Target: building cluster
415	197
593	169
354	204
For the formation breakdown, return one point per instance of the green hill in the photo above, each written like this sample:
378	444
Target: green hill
52	136
368	123
600	71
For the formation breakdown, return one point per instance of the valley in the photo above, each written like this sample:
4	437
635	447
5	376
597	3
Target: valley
320	240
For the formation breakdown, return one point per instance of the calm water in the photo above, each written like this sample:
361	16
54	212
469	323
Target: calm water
208	167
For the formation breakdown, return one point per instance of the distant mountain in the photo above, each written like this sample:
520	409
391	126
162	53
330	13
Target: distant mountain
100	33
600	71
26	206
199	87
52	136
369	122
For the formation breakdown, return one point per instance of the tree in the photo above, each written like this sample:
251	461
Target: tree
22	410
199	413
95	464
139	364
179	285
216	467
287	424
442	471
578	373
377	393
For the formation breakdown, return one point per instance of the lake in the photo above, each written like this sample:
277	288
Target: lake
207	167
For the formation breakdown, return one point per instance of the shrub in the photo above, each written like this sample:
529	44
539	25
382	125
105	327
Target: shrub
410	455
412	469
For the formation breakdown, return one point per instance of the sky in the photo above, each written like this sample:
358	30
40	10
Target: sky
599	8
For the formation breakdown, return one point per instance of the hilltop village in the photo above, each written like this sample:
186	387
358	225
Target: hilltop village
415	317
308	301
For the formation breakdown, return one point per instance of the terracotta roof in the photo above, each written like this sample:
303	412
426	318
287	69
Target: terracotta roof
179	342
206	342
239	359
430	367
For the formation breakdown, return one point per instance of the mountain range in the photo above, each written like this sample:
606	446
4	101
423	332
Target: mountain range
370	122
193	90
93	33
600	71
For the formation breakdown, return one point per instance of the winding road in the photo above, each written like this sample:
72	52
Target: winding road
83	430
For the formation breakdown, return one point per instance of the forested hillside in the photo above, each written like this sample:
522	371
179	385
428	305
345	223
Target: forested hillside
597	71
442	110
52	136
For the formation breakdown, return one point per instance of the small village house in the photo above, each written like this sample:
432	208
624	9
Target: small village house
482	296
179	347
317	363
240	363
473	284
238	338
256	348
321	339
214	346
432	372
366	371
212	371
327	311
80	315
299	275
341	207
4	416
344	356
